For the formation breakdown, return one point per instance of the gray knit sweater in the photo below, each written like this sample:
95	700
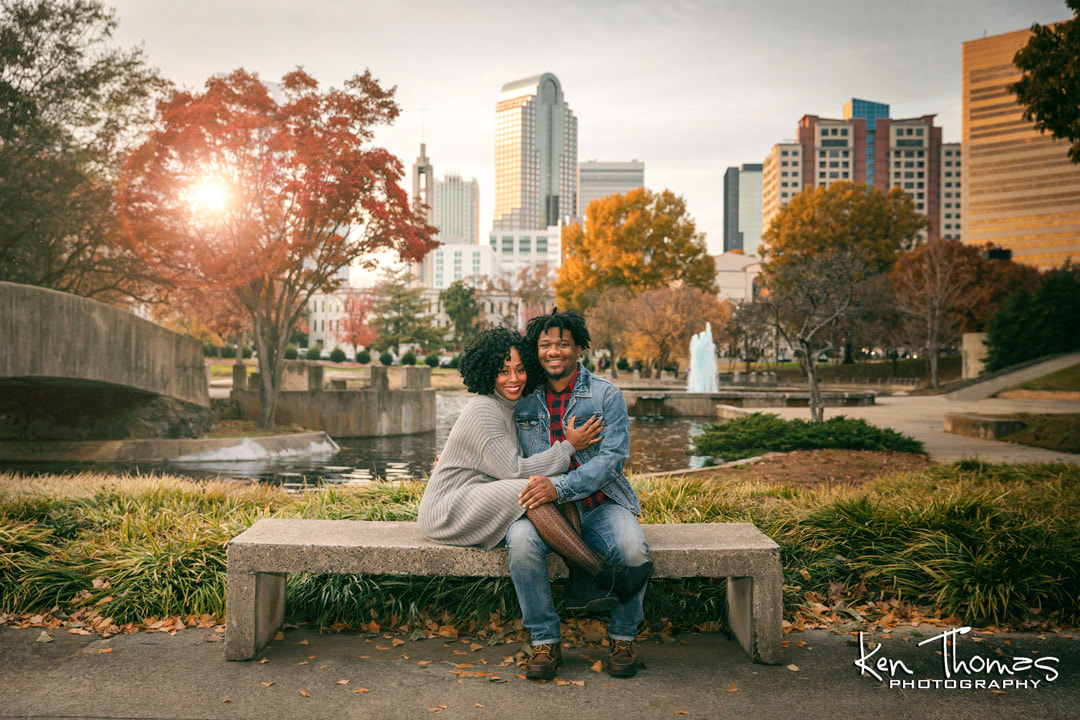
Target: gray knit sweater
472	497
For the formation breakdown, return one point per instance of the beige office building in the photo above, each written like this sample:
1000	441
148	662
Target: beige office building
781	180
1020	190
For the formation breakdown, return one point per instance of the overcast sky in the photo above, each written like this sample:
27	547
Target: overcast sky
689	87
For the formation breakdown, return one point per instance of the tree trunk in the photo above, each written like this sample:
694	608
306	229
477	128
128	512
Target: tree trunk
614	370
817	407
932	357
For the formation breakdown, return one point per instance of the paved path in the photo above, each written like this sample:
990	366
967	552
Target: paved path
923	417
184	676
991	386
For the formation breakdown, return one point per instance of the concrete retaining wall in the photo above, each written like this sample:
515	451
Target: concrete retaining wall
368	412
161	450
980	426
51	337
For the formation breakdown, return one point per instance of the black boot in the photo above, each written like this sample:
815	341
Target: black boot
628	580
585	594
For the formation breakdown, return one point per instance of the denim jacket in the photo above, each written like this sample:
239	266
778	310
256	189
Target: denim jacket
601	464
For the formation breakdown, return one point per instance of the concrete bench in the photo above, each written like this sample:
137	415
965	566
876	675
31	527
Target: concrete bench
261	557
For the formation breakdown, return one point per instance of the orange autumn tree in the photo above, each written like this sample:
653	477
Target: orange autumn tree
268	196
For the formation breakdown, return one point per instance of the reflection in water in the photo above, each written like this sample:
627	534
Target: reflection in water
656	444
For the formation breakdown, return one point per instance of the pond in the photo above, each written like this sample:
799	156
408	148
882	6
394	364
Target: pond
656	444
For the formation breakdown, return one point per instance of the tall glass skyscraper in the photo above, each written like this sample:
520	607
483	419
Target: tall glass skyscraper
869	111
742	208
535	155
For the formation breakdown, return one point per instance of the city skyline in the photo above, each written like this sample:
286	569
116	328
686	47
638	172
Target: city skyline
688	88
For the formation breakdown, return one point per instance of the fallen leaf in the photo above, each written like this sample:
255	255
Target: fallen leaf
105	650
800	643
342	682
279	635
477	705
268	684
999	692
303	642
310	657
423	662
382	647
732	688
361	690
460	652
793	668
264	661
305	693
324	667
78	631
365	657
597	666
302	662
681	712
397	642
579	683
474	647
44	637
226	700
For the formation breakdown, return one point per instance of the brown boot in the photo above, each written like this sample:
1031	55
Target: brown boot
622	662
544	662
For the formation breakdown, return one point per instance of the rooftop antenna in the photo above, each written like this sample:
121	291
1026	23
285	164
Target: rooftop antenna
422	111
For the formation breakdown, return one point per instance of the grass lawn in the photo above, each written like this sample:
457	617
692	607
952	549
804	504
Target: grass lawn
1055	431
949	368
224	369
1065	379
946	538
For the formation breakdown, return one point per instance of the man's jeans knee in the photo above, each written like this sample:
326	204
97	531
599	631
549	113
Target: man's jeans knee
528	570
615	531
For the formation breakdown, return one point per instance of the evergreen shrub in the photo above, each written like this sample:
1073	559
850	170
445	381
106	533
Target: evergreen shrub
337	355
386	359
313	353
408	358
755	434
363	357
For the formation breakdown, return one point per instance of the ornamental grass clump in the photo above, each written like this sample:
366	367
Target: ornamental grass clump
988	543
759	433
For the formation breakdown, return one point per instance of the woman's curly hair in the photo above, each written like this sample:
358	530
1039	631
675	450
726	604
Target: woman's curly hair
485	355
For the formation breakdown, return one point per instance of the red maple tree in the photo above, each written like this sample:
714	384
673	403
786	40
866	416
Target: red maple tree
268	195
355	329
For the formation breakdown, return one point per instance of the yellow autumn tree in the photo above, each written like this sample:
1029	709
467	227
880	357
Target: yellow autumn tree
638	241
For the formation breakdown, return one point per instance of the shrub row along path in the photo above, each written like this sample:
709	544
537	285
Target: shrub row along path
923	418
347	675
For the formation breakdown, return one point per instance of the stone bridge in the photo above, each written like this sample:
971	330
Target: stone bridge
75	368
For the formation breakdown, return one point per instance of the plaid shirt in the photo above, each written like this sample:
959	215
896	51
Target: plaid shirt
556	404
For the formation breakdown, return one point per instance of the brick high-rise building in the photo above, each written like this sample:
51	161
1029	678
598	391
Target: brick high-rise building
896	152
1021	192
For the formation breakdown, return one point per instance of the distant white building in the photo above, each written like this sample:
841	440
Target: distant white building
460	261
457	209
515	249
599	179
736	275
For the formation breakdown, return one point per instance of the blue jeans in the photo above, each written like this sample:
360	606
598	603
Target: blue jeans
611	530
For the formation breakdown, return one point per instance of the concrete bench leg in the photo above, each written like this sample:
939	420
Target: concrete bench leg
254	610
755	615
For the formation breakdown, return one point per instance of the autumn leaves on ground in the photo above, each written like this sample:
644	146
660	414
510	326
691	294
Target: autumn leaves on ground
867	538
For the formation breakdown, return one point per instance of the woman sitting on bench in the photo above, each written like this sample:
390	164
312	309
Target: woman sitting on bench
472	496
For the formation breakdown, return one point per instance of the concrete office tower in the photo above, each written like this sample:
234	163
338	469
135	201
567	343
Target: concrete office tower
743	208
1021	192
599	179
535	155
870	112
457	210
905	152
781	179
951	190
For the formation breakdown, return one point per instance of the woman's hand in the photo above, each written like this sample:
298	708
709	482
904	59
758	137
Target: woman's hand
586	435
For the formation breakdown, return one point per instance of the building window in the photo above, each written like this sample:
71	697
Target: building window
524	245
507	245
541	245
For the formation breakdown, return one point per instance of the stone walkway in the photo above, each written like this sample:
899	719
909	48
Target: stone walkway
308	675
923	417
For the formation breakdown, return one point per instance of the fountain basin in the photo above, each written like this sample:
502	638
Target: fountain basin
686	404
